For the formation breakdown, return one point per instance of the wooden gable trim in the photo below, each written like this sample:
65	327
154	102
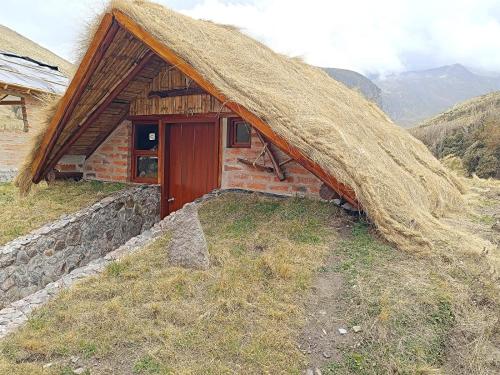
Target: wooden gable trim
96	111
171	57
98	46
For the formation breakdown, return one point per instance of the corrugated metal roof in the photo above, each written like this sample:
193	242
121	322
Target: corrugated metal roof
26	72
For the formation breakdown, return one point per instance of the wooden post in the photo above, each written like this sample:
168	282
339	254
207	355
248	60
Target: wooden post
25	115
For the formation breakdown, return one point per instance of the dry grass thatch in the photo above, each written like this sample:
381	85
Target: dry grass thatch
401	186
10	41
41	116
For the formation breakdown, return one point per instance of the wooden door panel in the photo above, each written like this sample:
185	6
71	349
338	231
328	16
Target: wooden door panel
192	162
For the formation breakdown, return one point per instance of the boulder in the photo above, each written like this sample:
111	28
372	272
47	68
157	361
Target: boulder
188	246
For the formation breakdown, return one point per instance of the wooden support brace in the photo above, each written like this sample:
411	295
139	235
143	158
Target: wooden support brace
284	162
25	115
11	102
258	166
276	166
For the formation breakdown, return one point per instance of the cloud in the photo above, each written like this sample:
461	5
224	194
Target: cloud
369	36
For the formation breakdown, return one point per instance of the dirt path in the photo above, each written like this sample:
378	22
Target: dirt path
321	339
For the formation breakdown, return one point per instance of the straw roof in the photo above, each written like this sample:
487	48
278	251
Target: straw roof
403	189
12	42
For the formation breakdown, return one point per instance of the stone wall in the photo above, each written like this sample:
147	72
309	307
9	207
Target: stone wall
30	262
17	313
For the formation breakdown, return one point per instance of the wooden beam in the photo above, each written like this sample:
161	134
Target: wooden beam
25	115
177	92
99	107
260	167
171	57
270	153
105	135
284	162
98	47
11	102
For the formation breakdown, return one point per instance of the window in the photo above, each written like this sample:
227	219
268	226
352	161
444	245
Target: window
145	153
238	133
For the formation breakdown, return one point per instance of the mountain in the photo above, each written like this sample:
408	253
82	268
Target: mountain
10	41
410	97
469	131
356	81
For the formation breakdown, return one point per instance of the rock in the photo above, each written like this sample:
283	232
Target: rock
79	371
74	359
342	331
47	365
188	246
496	226
356	329
326	355
317	371
22	257
309	371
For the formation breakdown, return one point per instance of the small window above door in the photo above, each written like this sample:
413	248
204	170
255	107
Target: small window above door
146	137
145	153
239	134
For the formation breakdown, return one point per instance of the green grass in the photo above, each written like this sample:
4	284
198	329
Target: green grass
143	316
20	215
417	312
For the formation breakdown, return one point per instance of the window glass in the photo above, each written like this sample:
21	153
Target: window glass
242	132
147	167
146	137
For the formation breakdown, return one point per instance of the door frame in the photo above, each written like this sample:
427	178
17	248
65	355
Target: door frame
164	147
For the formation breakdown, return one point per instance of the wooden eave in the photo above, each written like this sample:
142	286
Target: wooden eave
110	24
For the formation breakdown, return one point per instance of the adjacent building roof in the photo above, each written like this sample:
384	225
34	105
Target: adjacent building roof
17	44
26	72
331	130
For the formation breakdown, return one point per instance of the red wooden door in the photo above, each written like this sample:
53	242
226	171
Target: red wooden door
192	165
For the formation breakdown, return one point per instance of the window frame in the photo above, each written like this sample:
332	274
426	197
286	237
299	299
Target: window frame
231	134
135	153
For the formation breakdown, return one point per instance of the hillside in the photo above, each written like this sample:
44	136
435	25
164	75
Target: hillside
357	81
470	131
411	97
10	41
294	284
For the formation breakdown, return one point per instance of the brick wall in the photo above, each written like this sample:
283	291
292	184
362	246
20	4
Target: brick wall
15	144
299	181
111	160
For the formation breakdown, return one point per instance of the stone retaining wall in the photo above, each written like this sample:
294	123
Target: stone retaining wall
29	263
18	312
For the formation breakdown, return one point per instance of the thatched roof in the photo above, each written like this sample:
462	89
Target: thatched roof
400	185
15	43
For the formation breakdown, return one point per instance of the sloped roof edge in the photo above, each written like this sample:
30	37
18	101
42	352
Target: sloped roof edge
170	56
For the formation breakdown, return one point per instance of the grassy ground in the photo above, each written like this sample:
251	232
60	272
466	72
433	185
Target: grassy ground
144	317
420	314
19	216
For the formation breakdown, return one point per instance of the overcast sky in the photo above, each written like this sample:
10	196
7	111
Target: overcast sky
370	36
